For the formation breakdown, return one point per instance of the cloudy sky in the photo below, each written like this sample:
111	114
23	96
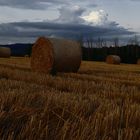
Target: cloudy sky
25	20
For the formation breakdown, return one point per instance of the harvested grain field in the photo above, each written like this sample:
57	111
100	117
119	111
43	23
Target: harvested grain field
100	102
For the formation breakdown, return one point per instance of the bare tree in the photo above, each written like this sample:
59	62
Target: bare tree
134	41
116	42
81	40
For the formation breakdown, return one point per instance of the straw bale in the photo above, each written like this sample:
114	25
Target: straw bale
5	52
113	59
138	61
55	55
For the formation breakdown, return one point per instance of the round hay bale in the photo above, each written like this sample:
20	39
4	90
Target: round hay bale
26	55
5	52
138	61
55	55
113	59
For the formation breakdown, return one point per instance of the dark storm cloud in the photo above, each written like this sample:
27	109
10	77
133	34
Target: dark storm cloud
43	4
71	31
31	4
69	24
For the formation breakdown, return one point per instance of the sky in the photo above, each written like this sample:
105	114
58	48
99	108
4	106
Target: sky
26	20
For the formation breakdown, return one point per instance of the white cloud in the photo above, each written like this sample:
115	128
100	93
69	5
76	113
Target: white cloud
96	17
74	15
70	15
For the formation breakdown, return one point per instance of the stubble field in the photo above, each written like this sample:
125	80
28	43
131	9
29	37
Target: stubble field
100	102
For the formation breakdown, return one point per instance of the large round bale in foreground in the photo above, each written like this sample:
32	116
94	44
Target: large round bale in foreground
55	55
113	59
5	52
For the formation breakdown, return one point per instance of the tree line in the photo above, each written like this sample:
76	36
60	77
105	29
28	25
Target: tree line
128	53
98	50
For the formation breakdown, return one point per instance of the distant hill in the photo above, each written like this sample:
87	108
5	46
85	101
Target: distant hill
19	49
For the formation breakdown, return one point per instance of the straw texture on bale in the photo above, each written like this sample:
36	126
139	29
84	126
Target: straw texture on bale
5	52
55	55
113	59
